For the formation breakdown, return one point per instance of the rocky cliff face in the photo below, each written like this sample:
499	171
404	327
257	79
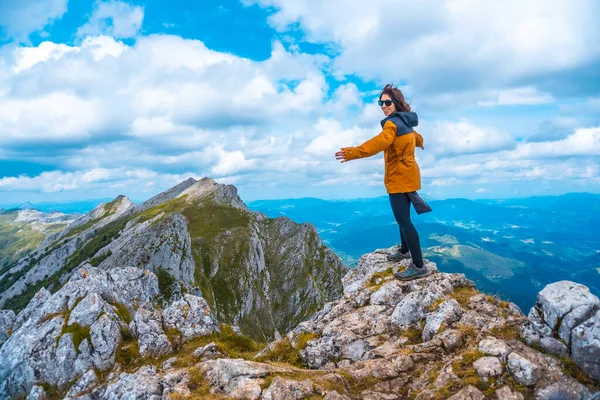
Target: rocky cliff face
433	338
263	275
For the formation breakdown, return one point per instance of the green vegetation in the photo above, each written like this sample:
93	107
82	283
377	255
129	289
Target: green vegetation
78	334
122	311
128	353
463	294
165	283
283	350
414	335
94	262
373	285
18	239
101	239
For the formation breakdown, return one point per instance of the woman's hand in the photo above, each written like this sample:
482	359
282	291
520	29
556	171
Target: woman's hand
341	155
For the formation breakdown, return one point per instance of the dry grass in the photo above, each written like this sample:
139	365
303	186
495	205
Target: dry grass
506	332
463	294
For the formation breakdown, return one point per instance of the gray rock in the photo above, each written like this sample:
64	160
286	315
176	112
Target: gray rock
567	303
208	352
36	393
451	339
7	320
287	389
143	384
147	328
191	316
447	313
88	310
524	371
238	378
413	307
495	347
34	306
105	337
585	346
488	367
390	293
468	393
318	352
505	393
553	346
168	363
565	389
83	384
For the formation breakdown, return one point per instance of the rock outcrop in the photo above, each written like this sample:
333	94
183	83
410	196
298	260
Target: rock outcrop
566	321
432	338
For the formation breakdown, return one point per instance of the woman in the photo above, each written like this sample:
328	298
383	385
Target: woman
402	176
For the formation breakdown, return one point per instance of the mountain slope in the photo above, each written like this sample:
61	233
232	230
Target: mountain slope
23	229
261	274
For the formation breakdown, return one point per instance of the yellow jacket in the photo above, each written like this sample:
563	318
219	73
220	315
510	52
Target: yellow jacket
402	174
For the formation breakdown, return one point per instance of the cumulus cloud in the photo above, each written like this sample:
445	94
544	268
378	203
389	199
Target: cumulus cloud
440	46
18	18
113	18
464	137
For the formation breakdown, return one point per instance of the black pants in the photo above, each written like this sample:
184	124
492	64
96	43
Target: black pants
409	238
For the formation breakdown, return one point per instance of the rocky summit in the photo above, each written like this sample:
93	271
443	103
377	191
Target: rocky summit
108	334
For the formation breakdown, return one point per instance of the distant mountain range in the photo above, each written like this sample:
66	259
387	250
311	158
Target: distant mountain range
511	247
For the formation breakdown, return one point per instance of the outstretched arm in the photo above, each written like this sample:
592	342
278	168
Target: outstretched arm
371	146
419	140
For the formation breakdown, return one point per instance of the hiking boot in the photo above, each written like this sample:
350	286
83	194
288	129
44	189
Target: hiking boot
398	256
411	272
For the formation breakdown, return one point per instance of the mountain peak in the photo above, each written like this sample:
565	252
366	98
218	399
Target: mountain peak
167	195
220	193
26	206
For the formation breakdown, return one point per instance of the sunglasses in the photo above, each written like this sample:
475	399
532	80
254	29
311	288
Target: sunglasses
386	102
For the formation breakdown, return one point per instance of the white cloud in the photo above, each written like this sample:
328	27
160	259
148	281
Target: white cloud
525	95
440	46
19	18
113	18
452	138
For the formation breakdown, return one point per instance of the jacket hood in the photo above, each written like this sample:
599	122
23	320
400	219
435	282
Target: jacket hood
405	121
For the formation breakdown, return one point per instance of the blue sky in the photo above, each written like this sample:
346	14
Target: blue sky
101	98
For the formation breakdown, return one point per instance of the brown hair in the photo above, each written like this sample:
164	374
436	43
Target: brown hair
396	96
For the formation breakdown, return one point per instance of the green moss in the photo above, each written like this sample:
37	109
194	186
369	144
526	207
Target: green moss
414	335
165	283
122	311
52	392
128	353
78	334
569	367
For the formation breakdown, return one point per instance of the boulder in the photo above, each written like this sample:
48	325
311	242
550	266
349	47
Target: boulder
585	346
147	328
524	371
191	316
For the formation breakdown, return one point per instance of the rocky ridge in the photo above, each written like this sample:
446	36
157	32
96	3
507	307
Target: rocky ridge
199	238
433	338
